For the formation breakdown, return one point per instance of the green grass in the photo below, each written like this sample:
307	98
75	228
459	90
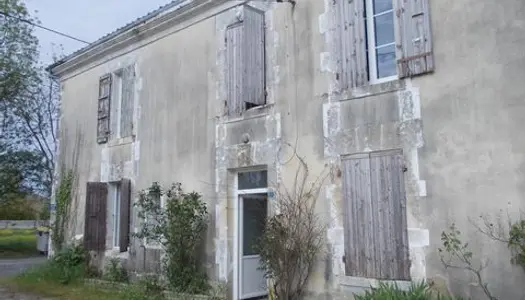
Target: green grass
46	280
17	243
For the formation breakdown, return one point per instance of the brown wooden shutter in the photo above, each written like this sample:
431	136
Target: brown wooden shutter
104	107
415	38
254	57
95	216
127	104
125	213
376	238
350	37
234	70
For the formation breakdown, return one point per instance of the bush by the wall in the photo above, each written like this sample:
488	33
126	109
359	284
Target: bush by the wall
419	291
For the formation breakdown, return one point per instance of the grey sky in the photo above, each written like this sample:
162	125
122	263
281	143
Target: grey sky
84	19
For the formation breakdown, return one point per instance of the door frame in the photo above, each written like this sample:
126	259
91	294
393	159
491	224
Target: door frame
237	198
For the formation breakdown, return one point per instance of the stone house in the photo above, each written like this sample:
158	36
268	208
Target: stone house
414	107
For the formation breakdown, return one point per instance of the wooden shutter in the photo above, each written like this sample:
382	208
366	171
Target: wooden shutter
234	42
125	202
127	104
104	107
350	40
254	57
245	68
388	194
415	38
360	256
376	238
95	216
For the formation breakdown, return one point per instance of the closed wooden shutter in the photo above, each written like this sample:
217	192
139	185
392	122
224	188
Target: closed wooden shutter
127	104
104	107
254	57
95	216
376	239
245	67
360	256
234	68
350	48
413	18
125	214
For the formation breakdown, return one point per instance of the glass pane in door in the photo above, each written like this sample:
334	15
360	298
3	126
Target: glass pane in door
254	212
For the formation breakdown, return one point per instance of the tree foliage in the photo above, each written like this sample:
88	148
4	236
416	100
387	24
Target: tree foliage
28	98
18	49
179	229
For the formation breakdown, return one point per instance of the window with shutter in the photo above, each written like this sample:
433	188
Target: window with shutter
245	62
381	40
95	216
127	101
376	237
104	106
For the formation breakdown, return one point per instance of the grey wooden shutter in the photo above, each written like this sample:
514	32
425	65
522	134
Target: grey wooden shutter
104	106
246	66
234	70
388	194
127	104
413	18
125	207
360	256
95	216
350	43
376	238
254	57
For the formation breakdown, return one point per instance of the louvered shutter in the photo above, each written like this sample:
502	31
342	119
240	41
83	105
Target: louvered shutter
245	65
125	214
350	47
95	216
127	104
104	106
416	57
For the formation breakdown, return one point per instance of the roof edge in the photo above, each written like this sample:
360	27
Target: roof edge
131	32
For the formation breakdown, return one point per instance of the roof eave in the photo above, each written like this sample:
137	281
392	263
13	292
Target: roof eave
129	34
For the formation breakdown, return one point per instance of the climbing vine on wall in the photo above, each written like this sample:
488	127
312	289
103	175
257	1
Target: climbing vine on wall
63	200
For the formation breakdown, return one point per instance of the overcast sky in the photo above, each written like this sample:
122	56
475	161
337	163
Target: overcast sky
87	20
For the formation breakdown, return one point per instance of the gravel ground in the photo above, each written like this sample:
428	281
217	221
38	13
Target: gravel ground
13	267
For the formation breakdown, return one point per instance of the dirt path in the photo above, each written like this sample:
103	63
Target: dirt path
13	267
5	294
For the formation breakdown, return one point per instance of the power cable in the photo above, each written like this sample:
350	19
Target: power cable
43	27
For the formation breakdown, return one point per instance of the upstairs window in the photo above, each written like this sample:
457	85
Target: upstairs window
245	62
116	104
380	40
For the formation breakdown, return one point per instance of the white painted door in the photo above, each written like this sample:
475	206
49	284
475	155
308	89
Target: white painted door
253	212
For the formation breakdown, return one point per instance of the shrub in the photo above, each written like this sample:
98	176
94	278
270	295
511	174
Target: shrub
293	238
420	291
179	229
114	271
66	267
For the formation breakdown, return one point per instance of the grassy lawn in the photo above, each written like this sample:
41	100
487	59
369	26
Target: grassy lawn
46	281
17	243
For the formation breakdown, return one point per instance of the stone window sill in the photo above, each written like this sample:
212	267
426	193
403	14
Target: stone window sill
252	113
121	141
366	283
373	90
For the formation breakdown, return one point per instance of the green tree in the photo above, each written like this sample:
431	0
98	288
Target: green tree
28	96
18	49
